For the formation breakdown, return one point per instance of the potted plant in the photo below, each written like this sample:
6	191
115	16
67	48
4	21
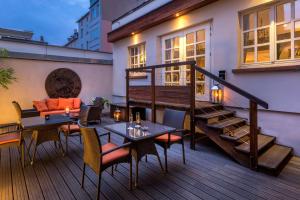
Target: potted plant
6	73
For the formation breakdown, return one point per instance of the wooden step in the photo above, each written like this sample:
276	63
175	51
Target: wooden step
227	122
236	134
275	159
219	113
263	141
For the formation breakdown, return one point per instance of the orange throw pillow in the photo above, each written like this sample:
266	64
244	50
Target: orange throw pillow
64	103
52	104
77	103
41	106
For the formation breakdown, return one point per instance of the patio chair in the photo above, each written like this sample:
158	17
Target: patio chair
99	157
172	118
96	110
68	130
13	139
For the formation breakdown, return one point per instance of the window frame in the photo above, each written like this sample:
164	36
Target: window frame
272	36
139	64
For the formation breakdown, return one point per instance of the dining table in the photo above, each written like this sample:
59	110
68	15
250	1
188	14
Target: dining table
142	137
44	129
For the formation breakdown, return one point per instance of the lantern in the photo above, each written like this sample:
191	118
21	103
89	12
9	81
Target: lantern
117	115
216	94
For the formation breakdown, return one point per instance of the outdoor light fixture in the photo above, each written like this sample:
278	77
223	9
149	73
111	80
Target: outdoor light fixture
216	94
117	115
177	15
132	33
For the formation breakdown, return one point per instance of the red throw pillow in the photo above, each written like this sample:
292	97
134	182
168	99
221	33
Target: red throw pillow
77	103
41	106
52	104
64	103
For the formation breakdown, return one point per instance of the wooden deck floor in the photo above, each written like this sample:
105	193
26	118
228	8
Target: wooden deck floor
208	174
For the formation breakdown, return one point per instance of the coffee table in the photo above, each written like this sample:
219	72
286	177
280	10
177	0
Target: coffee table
44	130
142	140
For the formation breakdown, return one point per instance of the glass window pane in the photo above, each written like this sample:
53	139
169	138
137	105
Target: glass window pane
283	50
297	28
190	51
283	13
297	49
200	76
297	9
200	49
249	38
200	88
263	36
200	35
263	53
249	55
168	55
190	38
188	76
131	51
168	44
175	53
283	31
263	18
168	77
200	61
248	21
175	77
176	42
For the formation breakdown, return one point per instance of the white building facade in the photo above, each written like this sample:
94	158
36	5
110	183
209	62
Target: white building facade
256	42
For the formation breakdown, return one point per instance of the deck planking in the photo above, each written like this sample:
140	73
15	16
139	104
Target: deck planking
208	174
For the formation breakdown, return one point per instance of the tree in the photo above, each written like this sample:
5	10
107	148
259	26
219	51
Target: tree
6	73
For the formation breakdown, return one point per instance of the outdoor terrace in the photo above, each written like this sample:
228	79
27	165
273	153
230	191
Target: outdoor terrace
208	174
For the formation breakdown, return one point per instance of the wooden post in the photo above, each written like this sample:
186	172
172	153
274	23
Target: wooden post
127	96
253	135
192	107
153	111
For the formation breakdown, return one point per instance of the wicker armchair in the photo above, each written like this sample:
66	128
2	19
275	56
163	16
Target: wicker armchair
100	157
12	138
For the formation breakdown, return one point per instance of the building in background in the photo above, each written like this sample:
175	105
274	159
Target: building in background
19	35
94	26
92	30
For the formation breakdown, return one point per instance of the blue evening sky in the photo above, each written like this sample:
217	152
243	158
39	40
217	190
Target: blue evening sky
54	19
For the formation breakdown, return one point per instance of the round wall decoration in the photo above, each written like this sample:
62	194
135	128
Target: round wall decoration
64	83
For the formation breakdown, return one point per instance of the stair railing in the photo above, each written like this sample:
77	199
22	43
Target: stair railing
253	101
253	104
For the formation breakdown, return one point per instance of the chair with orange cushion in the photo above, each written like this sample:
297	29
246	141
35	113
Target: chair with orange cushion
68	130
175	119
13	139
100	157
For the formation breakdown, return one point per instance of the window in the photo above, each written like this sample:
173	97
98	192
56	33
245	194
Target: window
172	74
137	57
188	45
94	34
271	34
81	33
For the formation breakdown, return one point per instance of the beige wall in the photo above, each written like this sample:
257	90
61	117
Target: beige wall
31	74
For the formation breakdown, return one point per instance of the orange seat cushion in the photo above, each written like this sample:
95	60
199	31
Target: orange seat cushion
40	105
164	138
64	103
10	138
115	155
77	103
52	104
73	128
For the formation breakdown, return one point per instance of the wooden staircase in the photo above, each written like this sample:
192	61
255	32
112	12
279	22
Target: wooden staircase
231	133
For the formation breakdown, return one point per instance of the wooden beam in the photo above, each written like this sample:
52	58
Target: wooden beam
192	106
156	17
253	135
127	96
153	95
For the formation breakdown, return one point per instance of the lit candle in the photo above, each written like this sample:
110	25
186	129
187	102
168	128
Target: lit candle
67	110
